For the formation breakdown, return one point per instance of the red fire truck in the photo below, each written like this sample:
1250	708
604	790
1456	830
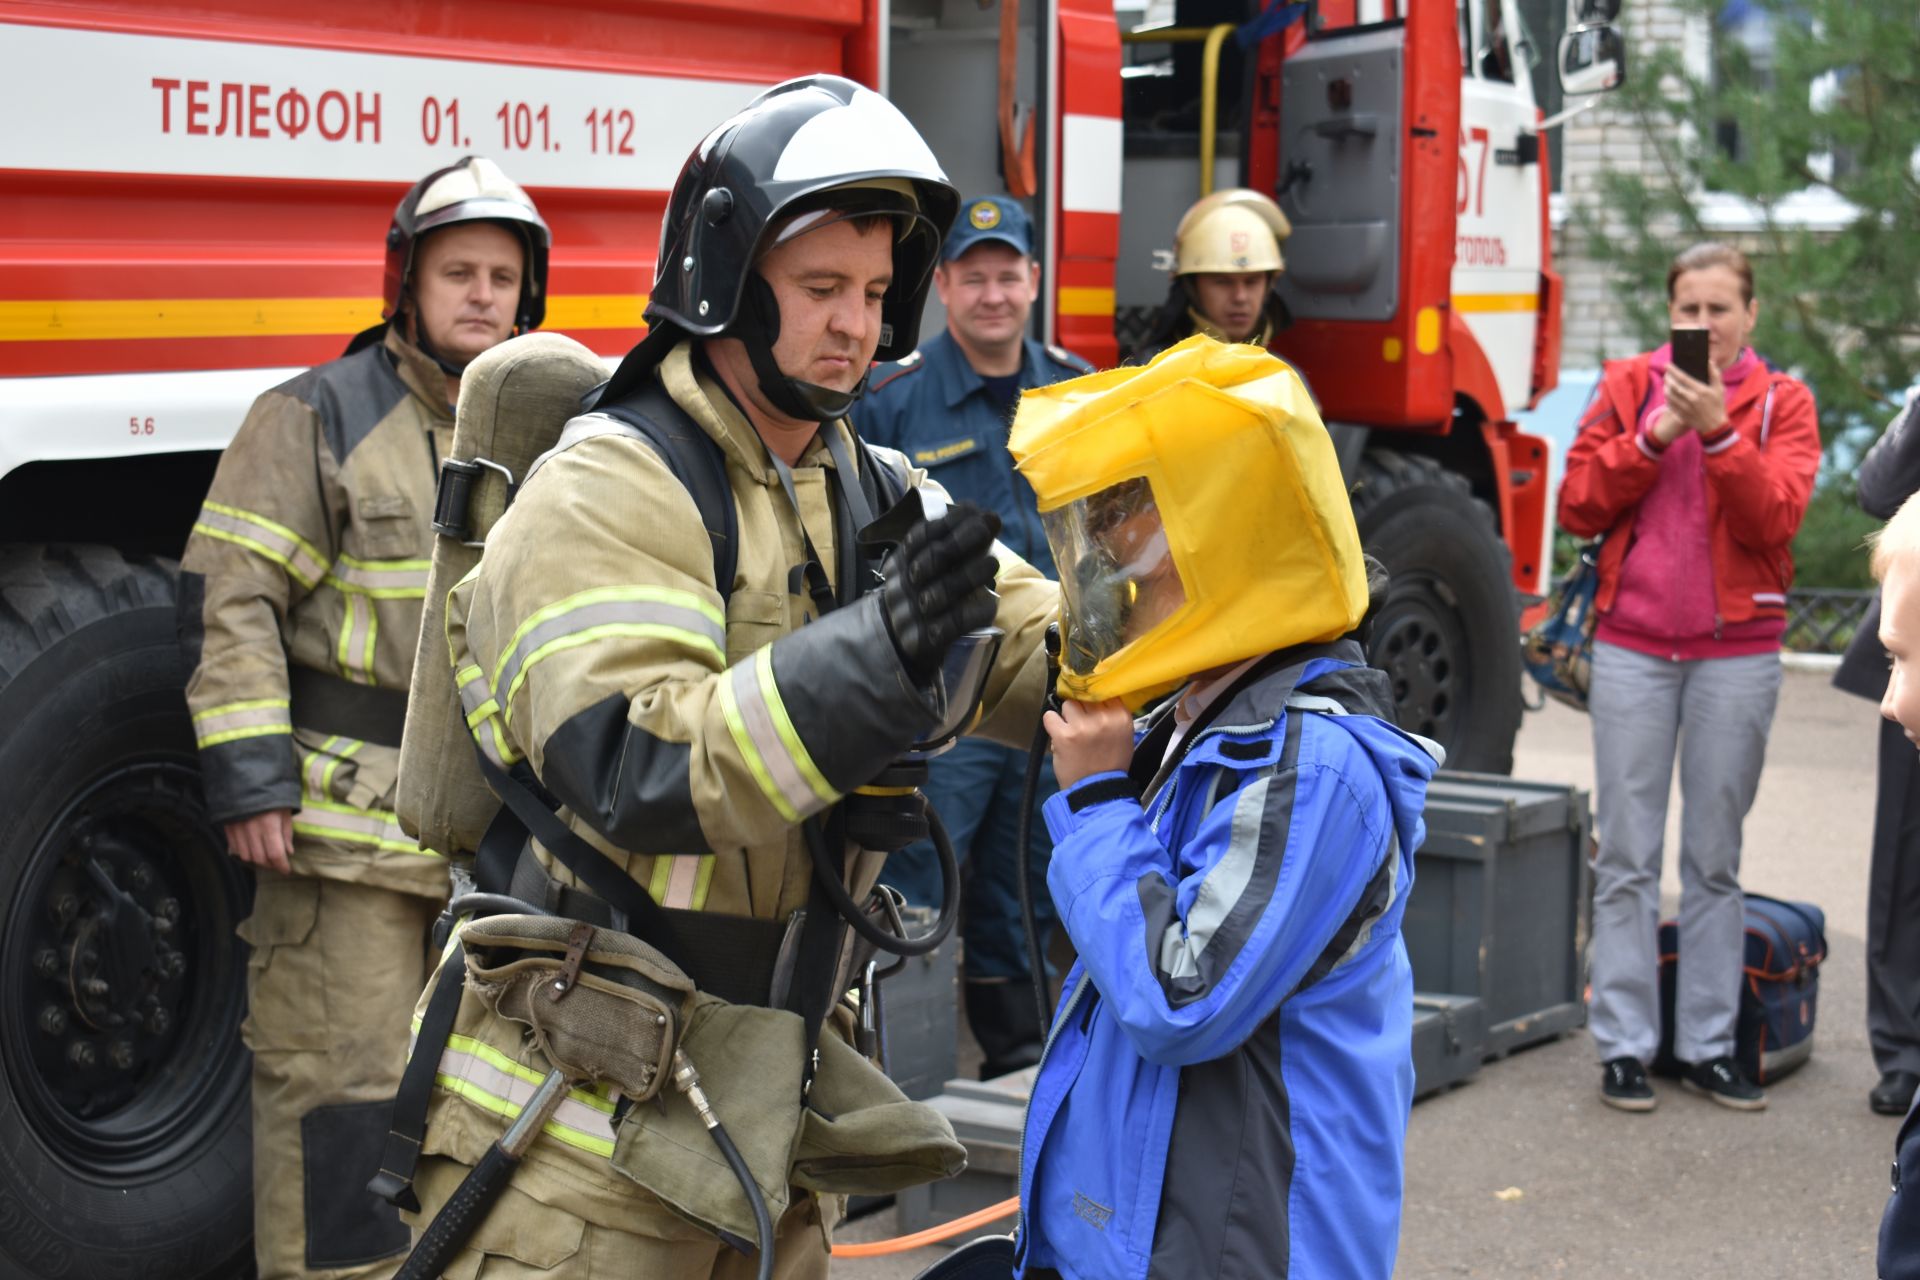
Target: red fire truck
194	203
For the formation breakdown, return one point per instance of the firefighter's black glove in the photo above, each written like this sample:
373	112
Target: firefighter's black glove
939	585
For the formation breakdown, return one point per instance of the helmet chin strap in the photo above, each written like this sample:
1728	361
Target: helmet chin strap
419	336
758	328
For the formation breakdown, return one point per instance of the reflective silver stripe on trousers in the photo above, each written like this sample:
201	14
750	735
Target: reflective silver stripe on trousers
488	1079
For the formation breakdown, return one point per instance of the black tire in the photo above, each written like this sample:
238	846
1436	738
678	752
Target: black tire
131	1156
1449	634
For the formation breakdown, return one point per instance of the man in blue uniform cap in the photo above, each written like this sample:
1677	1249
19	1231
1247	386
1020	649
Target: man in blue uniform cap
947	406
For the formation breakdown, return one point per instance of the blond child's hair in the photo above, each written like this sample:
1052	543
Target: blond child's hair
1898	542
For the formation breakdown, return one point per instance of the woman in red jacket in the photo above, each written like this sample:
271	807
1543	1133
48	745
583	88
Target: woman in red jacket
1698	488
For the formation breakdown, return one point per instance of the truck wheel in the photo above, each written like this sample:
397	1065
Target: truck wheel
125	1134
1449	634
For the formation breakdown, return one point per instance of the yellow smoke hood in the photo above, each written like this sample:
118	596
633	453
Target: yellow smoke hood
1244	480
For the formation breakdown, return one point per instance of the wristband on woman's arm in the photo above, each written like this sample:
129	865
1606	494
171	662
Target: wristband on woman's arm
1650	444
1719	440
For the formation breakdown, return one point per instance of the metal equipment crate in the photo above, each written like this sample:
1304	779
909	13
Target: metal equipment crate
1449	1033
1449	1040
917	1007
1501	904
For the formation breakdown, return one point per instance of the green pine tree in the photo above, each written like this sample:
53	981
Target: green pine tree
1838	108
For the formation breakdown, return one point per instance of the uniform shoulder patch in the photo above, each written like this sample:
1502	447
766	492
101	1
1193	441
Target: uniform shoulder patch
901	368
1063	356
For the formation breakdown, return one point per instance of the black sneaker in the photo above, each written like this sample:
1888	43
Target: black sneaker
1724	1082
1623	1084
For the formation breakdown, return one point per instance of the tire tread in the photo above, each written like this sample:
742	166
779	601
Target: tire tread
1389	477
49	592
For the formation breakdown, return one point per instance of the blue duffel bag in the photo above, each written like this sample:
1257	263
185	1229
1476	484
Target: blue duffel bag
1779	988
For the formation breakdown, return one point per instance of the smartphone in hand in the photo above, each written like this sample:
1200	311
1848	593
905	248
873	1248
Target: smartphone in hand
1690	353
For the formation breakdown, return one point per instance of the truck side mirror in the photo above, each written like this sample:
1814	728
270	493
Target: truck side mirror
1595	12
1592	60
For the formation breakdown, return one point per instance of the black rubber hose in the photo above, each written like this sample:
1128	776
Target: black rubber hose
493	904
762	1223
1022	870
861	923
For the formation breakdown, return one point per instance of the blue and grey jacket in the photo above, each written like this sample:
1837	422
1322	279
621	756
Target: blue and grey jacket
1226	1085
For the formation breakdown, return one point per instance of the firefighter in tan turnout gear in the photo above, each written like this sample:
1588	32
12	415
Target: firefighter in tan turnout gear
676	636
300	606
1226	266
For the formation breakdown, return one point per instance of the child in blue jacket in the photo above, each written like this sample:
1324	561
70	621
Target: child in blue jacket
1225	1088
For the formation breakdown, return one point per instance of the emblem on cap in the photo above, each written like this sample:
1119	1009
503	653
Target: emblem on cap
984	215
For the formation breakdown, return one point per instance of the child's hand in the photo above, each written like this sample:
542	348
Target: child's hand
1090	738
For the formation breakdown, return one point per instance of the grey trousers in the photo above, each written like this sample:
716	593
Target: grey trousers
1713	715
1893	908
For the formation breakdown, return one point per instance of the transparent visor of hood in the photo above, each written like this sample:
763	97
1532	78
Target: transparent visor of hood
1116	571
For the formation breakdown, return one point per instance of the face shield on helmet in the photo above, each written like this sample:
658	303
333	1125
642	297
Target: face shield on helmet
1197	515
473	189
781	155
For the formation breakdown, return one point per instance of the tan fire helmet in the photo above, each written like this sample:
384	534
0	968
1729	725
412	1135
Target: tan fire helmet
474	189
1236	232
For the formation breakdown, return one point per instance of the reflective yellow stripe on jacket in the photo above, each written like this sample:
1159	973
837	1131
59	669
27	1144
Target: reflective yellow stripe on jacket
381	579
678	880
361	583
231	721
264	537
603	613
681	881
761	728
483	717
321	815
317	770
374	828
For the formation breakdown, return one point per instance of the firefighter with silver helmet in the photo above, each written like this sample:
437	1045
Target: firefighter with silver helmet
694	647
300	602
1226	266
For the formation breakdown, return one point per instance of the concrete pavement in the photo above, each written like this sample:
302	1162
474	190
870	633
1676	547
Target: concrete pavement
1691	1189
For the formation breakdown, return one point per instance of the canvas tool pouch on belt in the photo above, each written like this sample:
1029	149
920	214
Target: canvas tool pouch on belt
603	1007
514	400
854	1132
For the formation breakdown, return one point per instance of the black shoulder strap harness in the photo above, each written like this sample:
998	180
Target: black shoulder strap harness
727	956
696	460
